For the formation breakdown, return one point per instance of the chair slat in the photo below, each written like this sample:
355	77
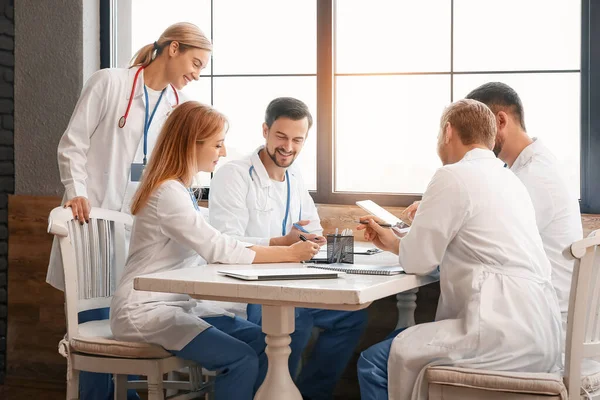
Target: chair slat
595	309
592	309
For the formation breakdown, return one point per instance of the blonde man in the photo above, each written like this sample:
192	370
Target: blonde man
497	309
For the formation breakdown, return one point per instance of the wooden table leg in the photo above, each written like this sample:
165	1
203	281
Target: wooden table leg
278	323
406	304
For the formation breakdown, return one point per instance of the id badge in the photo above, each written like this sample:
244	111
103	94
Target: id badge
136	172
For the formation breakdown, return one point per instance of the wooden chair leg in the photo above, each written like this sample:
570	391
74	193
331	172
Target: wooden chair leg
172	376
120	387
155	385
73	385
210	395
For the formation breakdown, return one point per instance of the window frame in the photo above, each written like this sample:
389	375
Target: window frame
325	124
590	100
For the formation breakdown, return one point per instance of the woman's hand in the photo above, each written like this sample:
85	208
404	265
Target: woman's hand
81	208
303	251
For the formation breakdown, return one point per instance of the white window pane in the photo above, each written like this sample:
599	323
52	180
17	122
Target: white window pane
198	91
386	132
392	36
516	35
149	18
265	37
552	112
244	102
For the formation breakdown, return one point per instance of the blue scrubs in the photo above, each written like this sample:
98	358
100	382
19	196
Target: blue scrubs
332	351
235	348
373	369
95	386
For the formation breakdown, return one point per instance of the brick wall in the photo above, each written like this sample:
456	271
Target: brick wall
7	167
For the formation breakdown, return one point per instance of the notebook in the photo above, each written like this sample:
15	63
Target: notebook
361	269
271	274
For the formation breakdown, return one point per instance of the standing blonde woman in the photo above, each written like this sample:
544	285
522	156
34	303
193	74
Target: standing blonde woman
111	135
170	233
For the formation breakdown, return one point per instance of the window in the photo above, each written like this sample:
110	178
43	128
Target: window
254	61
377	76
399	63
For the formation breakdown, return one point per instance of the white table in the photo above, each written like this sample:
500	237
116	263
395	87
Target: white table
279	298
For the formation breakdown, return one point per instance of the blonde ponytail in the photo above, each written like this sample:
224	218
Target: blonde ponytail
144	56
185	33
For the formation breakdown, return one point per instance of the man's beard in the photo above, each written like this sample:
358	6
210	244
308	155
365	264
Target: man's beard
274	158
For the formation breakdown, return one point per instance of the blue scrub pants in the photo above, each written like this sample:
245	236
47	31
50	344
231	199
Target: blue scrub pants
332	351
95	386
373	369
235	348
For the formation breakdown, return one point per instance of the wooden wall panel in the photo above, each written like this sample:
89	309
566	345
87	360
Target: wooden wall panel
35	309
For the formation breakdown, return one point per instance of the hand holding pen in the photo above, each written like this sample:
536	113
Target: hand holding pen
298	229
381	237
303	250
381	224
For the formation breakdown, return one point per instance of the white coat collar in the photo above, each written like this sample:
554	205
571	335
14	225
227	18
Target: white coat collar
139	88
258	169
527	155
477	154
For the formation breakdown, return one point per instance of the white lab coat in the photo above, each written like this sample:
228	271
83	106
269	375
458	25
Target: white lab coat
557	214
169	234
95	155
497	308
241	203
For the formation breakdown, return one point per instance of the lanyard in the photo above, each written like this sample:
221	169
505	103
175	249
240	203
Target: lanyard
287	207
287	203
194	201
147	121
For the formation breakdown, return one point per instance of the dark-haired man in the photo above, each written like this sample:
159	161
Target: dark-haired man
262	200
556	209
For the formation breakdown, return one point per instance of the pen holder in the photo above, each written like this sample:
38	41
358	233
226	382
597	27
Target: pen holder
340	249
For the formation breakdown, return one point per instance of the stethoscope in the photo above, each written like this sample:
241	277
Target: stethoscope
147	121
287	205
123	119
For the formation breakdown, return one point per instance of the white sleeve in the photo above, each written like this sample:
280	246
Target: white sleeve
75	142
440	216
179	221
227	207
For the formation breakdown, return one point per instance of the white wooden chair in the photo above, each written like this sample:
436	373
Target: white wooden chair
583	326
582	344
93	256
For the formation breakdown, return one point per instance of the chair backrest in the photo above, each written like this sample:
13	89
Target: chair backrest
93	257
583	323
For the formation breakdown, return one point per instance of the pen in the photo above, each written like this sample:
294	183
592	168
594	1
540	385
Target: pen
300	228
302	238
383	225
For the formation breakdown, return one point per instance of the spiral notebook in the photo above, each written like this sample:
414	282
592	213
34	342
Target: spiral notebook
361	269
